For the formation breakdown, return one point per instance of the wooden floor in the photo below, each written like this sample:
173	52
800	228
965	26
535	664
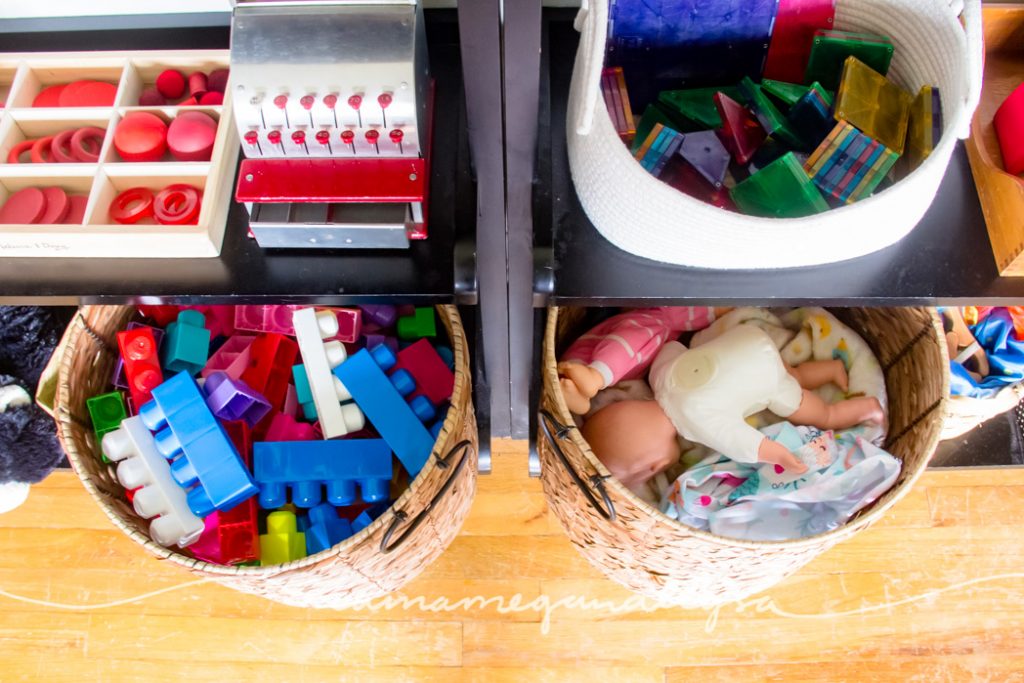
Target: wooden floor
933	593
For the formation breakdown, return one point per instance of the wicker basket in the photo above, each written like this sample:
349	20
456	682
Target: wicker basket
379	559
963	413
637	546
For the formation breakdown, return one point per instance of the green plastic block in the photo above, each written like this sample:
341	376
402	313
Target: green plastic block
874	104
781	189
786	94
769	116
106	412
829	50
694	109
417	326
654	114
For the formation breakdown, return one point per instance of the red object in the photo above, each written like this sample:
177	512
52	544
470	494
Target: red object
197	84
284	427
152	97
25	206
212	99
274	137
220	320
161	315
80	150
681	175
132	205
217	81
741	133
271	357
14	156
190	102
177	205
299	137
433	378
88	94
48	96
347	137
332	180
1009	125
191	135
60	147
76	209
307	102
372	136
57	206
384	100
141	136
792	36
396	136
40	148
171	84
281	101
323	137
330	101
355	101
141	363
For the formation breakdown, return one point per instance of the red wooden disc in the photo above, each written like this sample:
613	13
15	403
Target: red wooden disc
141	136
132	205
177	205
88	94
25	206
41	150
14	156
171	84
57	206
190	136
48	96
76	209
60	147
86	143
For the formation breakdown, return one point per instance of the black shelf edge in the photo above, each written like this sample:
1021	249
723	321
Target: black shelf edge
945	260
245	273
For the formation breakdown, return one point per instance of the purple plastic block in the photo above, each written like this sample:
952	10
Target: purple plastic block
231	358
376	339
707	154
384	316
232	399
265	319
119	380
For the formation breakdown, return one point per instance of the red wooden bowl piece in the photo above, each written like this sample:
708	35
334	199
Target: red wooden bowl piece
41	150
141	136
60	147
25	206
57	206
88	94
86	144
177	205
132	205
191	135
14	156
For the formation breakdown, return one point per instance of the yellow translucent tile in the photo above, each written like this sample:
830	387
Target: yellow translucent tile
874	104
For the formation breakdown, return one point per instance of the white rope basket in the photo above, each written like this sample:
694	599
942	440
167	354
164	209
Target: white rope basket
644	216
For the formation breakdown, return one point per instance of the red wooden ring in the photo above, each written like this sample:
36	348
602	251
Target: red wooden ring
124	209
13	157
78	149
177	205
38	147
62	141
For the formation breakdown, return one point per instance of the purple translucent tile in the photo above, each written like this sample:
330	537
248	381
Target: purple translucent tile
707	154
231	399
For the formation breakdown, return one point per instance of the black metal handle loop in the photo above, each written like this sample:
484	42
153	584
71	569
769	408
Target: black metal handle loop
547	421
400	515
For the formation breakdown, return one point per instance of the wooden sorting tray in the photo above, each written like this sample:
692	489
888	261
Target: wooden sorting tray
1001	194
21	78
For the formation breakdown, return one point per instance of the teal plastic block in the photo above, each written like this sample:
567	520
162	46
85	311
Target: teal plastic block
186	346
781	189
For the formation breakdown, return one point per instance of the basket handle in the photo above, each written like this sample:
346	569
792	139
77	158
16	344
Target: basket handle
607	510
592	23
386	546
970	12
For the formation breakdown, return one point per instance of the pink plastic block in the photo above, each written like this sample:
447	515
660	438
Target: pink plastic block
229	537
291	402
161	315
433	378
220	320
265	319
287	428
349	324
231	358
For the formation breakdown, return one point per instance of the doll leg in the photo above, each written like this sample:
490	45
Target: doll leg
579	383
815	412
816	373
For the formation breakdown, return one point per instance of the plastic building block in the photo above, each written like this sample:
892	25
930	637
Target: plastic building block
694	109
232	399
271	357
220	320
283	541
653	114
418	325
790	46
811	118
318	357
446	354
874	104
779	190
276	319
395	420
381	315
161	315
230	537
187	346
924	128
769	116
372	340
830	50
241	436
660	146
231	358
707	154
303	393
142	468
616	98
1009	125
432	376
307	466
203	456
106	412
849	165
349	324
325	529
286	428
118	379
141	363
741	132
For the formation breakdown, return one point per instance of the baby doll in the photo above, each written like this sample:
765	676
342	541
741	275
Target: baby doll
622	347
706	393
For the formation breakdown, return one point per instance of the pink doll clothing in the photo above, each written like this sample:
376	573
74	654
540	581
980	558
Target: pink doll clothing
624	346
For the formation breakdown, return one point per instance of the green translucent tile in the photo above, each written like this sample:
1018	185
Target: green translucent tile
827	95
769	116
781	189
786	93
653	114
694	109
830	49
874	104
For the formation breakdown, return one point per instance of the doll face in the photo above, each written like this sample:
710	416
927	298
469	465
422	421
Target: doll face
634	439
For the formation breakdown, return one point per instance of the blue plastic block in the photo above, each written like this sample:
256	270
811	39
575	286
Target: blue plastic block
325	529
369	515
306	466
202	454
303	393
385	408
186	347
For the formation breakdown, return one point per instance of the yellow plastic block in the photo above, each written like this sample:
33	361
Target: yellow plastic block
283	541
875	105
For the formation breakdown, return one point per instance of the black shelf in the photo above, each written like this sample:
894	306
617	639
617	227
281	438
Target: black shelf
946	259
245	273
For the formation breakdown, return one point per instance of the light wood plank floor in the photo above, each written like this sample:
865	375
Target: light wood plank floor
935	592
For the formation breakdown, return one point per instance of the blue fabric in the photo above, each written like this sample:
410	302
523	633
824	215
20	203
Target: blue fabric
1005	358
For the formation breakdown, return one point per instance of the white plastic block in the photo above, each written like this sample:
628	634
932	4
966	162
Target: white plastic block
141	467
311	328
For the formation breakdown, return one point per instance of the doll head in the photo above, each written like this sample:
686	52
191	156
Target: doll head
635	440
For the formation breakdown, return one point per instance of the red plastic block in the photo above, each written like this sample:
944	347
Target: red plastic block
271	358
241	436
141	363
161	315
287	428
1009	124
433	378
741	132
790	47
